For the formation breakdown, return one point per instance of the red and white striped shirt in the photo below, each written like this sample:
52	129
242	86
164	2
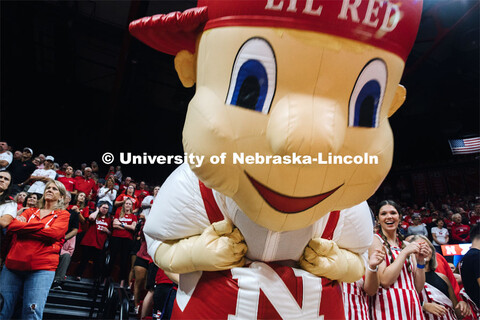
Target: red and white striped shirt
355	301
400	301
473	307
431	294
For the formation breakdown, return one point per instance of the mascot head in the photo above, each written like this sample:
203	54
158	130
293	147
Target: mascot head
296	95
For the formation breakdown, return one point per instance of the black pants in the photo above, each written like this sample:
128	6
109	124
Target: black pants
88	253
120	247
163	298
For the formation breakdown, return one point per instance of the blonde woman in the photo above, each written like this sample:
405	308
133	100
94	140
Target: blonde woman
438	298
19	199
30	266
124	224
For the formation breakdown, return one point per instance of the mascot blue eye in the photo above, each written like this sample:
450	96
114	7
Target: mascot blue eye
251	86
253	80
367	95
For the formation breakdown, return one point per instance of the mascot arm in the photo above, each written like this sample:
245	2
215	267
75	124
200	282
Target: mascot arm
220	246
340	258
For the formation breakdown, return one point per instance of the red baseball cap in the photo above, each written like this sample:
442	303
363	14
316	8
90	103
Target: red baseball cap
391	25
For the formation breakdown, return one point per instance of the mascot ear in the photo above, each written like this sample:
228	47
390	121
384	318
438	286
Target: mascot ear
398	100
185	66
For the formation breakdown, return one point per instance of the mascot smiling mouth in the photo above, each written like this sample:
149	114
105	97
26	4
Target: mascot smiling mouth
288	204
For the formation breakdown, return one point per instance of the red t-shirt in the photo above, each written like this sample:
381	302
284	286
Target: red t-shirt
449	224
143	253
136	203
127	219
408	219
85	213
404	225
161	277
141	194
94	237
461	233
427	220
474	219
122	188
69	183
85	186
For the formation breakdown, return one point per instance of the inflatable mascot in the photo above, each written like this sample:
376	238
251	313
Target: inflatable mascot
287	136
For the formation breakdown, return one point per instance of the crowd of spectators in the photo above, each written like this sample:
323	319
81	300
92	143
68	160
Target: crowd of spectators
101	206
447	220
114	206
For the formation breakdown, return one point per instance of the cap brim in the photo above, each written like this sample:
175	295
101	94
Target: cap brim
170	33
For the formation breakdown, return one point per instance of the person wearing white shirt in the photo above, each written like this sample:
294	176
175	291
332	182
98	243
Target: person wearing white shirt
107	194
148	202
6	157
8	207
439	235
42	176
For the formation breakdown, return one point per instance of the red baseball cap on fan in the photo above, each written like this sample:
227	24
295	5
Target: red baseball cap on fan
387	24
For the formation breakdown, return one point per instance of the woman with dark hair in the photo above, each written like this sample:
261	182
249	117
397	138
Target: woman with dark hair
8	207
31	201
124	225
438	298
107	194
8	211
417	227
94	240
31	262
402	273
439	235
80	207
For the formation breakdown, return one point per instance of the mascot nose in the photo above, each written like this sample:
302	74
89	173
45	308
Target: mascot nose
306	125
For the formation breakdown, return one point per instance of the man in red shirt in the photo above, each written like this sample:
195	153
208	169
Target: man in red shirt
475	215
124	185
68	181
141	193
86	184
62	171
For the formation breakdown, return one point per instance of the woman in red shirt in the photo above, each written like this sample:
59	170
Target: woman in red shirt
30	266
124	225
80	206
94	240
129	194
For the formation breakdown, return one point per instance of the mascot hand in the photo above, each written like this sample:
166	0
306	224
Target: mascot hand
324	258
220	247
